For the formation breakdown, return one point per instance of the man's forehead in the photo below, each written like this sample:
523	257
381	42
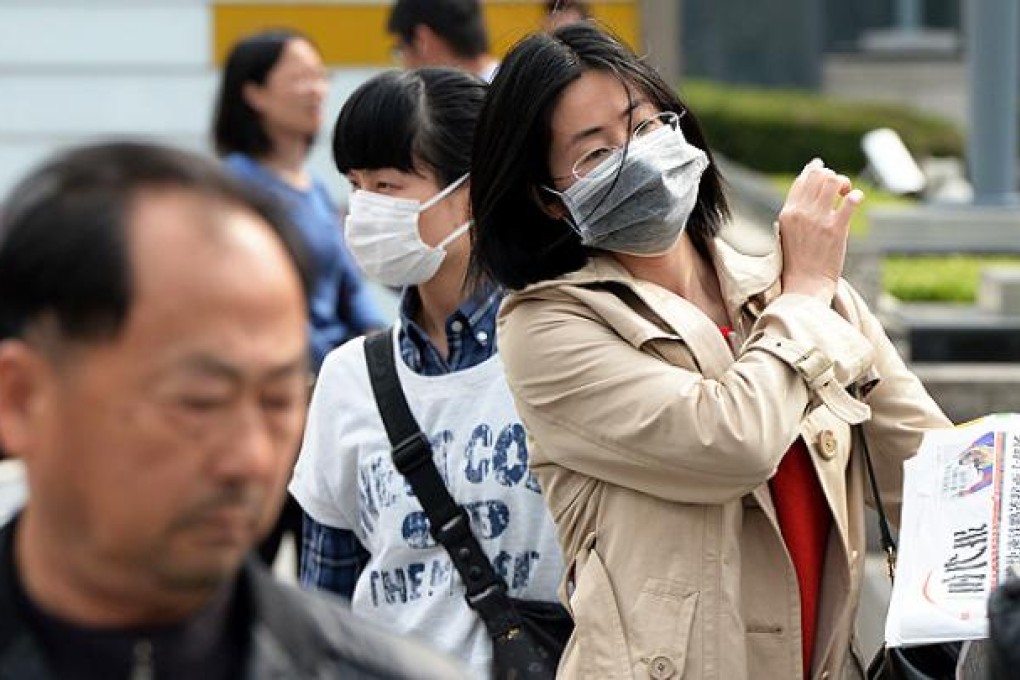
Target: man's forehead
182	213
209	275
178	238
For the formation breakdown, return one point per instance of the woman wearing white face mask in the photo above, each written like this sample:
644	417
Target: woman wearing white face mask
403	140
689	406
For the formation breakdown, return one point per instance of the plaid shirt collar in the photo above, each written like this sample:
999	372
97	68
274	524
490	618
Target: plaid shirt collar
470	333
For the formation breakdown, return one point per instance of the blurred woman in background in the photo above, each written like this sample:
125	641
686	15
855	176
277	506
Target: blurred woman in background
267	116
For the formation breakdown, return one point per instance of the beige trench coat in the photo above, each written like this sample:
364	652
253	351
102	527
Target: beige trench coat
654	440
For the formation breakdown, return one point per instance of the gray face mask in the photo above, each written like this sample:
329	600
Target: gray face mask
646	210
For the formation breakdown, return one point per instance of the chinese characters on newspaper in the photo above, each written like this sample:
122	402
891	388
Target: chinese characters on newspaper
959	531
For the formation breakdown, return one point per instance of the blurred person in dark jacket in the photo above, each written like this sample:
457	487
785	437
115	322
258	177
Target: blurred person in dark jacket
153	380
442	33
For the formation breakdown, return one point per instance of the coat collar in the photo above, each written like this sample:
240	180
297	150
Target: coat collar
745	272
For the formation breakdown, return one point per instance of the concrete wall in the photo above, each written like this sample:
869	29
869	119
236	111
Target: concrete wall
969	391
933	85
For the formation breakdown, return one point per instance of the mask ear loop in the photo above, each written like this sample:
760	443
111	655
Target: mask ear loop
454	235
460	230
446	191
568	217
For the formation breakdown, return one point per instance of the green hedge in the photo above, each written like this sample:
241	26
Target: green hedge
949	278
777	131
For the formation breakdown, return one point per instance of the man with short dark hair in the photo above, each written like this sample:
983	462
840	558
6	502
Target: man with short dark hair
560	13
442	33
153	377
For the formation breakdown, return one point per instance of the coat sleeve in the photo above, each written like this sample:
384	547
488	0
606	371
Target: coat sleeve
595	404
901	408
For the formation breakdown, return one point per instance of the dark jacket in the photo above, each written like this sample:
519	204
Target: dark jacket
293	635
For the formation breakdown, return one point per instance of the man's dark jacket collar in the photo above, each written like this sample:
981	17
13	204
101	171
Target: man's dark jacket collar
293	634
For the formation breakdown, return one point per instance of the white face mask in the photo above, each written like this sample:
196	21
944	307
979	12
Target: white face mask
382	235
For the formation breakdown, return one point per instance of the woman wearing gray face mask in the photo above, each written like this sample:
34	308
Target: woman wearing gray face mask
689	407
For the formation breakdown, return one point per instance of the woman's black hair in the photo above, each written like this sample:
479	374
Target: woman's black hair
237	127
410	120
515	241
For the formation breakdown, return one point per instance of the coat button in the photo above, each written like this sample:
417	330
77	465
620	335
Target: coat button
661	667
827	444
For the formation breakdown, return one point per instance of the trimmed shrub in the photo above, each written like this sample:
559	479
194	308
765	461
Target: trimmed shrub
945	278
778	131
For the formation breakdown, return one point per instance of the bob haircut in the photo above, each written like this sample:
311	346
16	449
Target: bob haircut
515	241
237	127
410	121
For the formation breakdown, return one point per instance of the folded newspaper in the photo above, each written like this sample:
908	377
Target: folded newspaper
959	531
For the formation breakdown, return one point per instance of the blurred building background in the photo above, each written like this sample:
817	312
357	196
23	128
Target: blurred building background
76	69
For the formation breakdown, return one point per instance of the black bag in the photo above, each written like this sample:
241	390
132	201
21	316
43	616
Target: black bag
1004	628
533	649
920	662
923	662
527	637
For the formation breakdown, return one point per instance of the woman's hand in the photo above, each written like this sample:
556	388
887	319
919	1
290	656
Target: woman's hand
813	227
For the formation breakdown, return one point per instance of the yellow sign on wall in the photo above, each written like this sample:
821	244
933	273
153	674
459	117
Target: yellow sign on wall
354	33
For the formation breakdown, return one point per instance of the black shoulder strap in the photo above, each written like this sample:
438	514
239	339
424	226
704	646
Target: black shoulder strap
448	522
885	534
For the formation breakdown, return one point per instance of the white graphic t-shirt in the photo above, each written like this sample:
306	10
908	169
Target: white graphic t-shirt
345	479
13	488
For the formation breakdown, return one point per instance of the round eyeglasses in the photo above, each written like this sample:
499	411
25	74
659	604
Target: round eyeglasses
596	158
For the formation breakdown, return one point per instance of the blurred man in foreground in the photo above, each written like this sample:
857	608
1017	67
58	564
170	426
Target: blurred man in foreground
153	373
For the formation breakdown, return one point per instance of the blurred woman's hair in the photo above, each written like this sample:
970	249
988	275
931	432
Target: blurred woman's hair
237	127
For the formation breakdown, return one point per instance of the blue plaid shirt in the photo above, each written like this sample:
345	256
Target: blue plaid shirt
331	558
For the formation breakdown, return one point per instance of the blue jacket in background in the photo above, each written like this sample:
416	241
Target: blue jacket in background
340	305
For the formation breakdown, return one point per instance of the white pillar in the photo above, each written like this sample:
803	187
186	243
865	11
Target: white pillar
660	32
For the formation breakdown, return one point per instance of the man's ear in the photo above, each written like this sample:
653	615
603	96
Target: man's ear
25	375
549	203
